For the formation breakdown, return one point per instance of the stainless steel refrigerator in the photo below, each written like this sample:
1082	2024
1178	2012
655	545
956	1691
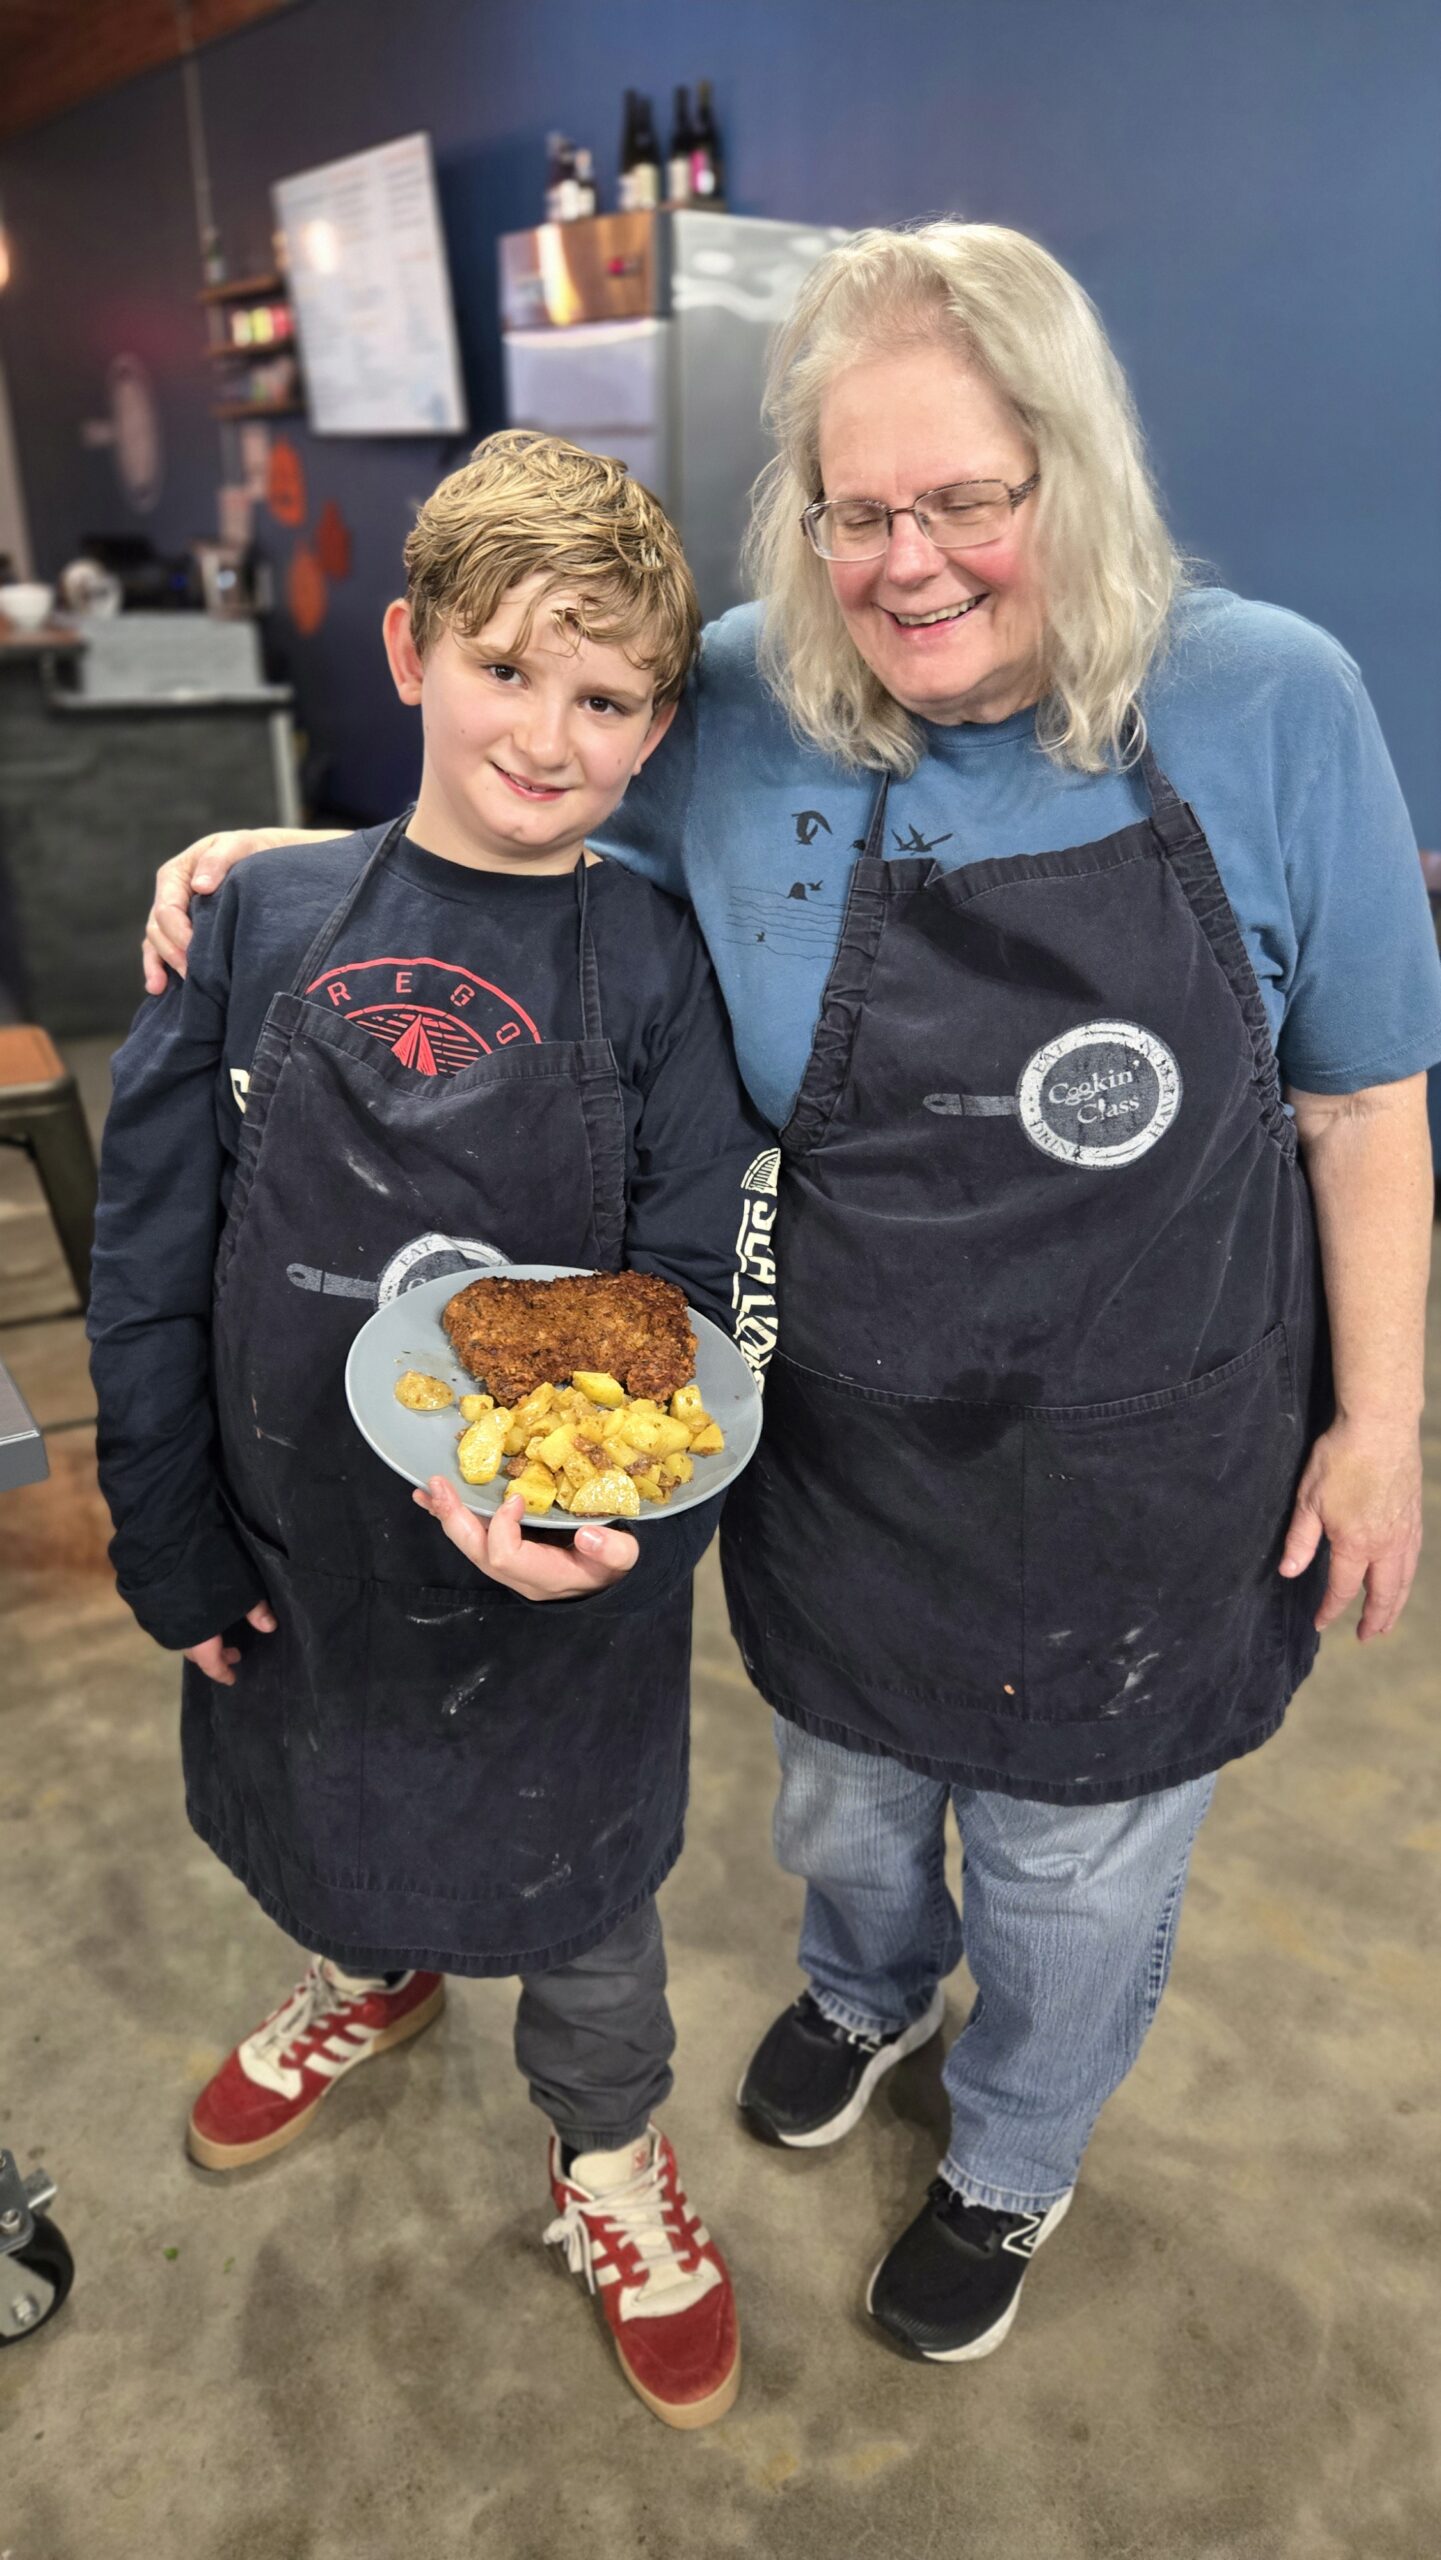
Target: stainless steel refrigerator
645	335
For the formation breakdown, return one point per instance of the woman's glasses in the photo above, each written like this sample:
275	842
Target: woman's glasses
957	518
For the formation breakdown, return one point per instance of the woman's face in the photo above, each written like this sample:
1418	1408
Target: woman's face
891	428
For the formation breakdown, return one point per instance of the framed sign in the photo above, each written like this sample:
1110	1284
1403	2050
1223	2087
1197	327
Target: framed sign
370	286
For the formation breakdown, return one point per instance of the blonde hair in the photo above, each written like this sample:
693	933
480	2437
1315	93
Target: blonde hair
1110	571
528	504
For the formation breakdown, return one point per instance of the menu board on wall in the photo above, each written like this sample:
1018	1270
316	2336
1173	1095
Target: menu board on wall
371	289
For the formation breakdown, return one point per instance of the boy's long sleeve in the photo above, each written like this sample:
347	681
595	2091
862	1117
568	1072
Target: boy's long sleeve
177	1559
703	1182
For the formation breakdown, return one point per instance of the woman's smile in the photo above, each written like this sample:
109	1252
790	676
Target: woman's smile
941	613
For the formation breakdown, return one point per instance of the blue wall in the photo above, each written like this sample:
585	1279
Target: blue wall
1252	192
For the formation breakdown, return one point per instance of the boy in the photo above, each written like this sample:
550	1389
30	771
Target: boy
426	1047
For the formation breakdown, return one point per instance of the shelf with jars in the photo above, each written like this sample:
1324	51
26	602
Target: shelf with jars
252	336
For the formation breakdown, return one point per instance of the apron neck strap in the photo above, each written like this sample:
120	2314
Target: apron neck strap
1167	807
875	843
339	916
590	1021
1165	798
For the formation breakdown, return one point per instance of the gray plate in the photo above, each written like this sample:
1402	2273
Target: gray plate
407	1334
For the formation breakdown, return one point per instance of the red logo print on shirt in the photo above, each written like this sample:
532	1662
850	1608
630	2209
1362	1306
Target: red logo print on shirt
435	1018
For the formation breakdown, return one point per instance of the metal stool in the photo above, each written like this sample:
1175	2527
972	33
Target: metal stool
40	1111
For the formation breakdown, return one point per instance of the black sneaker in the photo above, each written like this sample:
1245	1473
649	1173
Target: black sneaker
951	2286
809	2080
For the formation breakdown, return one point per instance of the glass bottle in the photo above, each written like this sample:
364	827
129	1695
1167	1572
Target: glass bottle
707	164
682	145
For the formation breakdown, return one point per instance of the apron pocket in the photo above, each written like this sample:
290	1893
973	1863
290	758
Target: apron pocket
1153	1528
883	1532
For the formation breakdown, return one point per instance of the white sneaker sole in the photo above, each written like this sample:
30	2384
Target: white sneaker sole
866	2087
1000	2330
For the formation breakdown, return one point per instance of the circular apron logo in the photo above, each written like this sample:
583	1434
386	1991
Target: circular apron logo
434	1257
1099	1095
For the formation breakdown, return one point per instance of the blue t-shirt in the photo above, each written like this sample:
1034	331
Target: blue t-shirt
1260	720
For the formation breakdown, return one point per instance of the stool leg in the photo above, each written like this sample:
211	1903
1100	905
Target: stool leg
65	1162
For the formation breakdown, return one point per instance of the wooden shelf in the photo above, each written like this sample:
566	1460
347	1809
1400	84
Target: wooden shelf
247	289
257	408
264	351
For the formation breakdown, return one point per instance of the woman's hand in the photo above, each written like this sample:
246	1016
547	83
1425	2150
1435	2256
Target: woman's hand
1362	1490
200	868
537	1569
217	1659
1368	1160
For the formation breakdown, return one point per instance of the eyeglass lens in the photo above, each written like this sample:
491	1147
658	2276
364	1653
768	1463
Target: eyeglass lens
954	518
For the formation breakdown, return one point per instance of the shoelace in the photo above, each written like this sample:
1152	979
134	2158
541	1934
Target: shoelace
843	2035
638	2210
315	1998
981	2226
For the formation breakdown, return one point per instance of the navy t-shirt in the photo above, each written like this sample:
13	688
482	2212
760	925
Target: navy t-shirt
443	964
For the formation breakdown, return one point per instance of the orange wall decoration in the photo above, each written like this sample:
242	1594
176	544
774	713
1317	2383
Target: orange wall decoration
285	488
306	591
332	542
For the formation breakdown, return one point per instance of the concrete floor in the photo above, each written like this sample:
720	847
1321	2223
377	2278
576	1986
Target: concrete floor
360	2349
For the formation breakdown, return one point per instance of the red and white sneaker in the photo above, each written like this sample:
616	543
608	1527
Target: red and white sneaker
624	2223
268	2089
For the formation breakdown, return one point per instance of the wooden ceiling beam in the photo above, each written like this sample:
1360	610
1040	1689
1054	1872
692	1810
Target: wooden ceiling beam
55	54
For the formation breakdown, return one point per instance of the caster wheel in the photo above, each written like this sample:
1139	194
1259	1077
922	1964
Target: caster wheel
34	2282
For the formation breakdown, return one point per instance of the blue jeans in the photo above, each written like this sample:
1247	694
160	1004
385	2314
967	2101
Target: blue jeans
1070	1923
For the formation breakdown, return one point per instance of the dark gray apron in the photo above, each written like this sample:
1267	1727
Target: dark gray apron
1051	1344
420	1767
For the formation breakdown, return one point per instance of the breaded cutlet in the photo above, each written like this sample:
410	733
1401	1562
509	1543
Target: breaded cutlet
517	1334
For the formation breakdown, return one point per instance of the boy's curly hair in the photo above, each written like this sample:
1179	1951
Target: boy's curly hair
528	504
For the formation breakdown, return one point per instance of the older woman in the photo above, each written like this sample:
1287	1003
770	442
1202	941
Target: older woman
1071	927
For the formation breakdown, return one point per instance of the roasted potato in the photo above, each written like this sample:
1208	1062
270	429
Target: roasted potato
611	1490
598	1388
480	1449
588	1448
536	1487
556	1446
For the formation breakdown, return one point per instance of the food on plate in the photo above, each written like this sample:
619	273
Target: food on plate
562	1449
481	1448
536	1487
586	1395
421	1393
624	1330
600	1389
610	1491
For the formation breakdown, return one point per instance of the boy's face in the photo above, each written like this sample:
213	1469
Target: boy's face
527	750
